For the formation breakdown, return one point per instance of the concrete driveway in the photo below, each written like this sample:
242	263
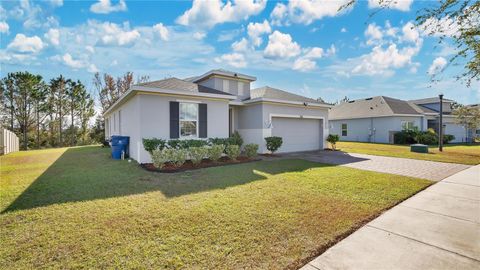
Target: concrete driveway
430	170
439	228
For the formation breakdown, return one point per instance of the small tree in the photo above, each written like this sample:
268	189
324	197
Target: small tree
333	139
468	117
273	143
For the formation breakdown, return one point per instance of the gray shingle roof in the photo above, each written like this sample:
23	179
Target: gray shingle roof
273	93
223	72
181	85
373	107
429	100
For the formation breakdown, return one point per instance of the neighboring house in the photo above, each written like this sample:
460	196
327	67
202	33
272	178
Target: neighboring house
376	119
216	104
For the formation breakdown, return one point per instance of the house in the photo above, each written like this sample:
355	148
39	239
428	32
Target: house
216	104
376	119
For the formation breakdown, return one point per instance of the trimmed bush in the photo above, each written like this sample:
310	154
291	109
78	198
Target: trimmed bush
233	151
159	158
197	154
333	139
427	138
218	141
447	138
185	144
176	156
273	143
236	139
251	150
215	151
153	144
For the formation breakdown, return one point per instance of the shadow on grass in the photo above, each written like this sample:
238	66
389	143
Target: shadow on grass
327	157
88	173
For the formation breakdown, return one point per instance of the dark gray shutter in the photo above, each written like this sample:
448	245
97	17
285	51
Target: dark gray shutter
174	119
202	119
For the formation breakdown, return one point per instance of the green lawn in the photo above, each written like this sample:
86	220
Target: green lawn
452	153
76	208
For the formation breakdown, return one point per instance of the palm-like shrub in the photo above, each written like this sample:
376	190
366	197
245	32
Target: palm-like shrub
233	151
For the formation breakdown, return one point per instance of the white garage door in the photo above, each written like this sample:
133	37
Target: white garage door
298	134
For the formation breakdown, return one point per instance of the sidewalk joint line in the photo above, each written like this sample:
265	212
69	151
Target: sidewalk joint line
413	239
440	214
460	184
453	196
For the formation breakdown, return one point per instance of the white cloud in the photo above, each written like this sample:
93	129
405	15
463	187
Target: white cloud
256	30
389	30
56	3
241	45
437	66
314	53
113	34
24	44
162	31
332	50
105	7
343	30
53	36
281	45
374	34
305	11
234	59
444	27
92	68
90	49
199	35
410	33
69	61
304	64
279	14
4	27
209	13
403	5
381	61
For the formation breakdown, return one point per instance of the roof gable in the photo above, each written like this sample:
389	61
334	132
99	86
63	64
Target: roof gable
273	93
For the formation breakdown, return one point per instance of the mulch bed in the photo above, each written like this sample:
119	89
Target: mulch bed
270	155
188	165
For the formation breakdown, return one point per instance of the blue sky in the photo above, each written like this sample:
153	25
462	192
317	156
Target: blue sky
305	47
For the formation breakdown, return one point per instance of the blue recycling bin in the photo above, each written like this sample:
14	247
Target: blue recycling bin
119	146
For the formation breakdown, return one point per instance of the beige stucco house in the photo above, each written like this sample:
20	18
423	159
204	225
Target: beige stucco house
216	104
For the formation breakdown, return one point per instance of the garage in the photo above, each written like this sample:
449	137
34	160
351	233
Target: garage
299	134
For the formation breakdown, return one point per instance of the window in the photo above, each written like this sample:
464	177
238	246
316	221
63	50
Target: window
407	125
188	119
344	130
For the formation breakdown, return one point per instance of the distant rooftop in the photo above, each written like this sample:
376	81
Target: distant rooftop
429	100
273	93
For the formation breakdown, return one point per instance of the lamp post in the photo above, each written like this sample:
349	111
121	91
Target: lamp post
440	128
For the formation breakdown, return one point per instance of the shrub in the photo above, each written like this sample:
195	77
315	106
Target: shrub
448	138
236	139
218	141
251	150
178	156
159	158
233	151
153	144
405	137
215	151
197	154
427	138
333	139
273	143
185	144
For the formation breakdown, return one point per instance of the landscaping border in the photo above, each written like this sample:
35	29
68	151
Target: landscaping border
206	163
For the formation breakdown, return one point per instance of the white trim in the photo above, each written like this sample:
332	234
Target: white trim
236	103
189	101
295	116
226	74
287	102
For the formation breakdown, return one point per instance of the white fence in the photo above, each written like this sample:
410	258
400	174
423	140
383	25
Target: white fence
8	142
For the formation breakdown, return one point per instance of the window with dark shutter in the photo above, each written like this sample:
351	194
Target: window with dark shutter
202	119
174	120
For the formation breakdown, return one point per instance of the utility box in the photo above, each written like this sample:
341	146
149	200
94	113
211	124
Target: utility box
419	148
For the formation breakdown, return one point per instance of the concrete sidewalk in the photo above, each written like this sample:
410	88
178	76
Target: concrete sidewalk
439	228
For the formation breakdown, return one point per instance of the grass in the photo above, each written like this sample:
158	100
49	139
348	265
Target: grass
452	153
76	208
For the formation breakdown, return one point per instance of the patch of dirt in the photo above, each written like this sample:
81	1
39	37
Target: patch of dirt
270	155
189	166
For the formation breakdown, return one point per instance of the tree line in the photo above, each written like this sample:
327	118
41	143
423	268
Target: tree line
59	112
